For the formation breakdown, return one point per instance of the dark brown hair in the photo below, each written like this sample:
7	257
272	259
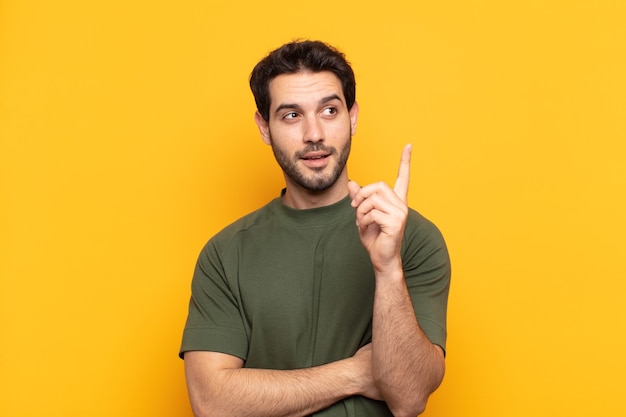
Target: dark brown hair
300	56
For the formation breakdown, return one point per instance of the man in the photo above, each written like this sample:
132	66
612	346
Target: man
297	311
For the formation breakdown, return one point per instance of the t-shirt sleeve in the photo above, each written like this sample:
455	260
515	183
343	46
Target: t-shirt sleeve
214	321
427	271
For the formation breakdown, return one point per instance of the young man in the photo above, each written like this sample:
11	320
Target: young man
331	299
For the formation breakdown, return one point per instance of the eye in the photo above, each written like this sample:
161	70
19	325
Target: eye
329	111
290	116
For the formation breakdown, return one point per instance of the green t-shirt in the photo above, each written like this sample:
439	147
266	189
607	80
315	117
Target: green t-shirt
283	288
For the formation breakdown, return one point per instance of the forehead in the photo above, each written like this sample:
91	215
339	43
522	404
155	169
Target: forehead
303	88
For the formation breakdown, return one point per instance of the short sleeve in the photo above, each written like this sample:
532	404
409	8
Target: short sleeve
214	321
427	271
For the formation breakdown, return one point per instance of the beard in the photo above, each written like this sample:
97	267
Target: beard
318	180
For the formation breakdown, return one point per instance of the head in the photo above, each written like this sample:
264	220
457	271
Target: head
306	111
300	56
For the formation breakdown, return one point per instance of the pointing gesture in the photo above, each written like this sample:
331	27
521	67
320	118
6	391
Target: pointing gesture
381	215
401	187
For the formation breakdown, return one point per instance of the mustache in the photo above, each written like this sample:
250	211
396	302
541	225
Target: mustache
316	147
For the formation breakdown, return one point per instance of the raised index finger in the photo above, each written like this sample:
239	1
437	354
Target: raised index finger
401	188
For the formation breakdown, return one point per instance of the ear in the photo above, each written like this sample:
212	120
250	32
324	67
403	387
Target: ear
264	128
354	115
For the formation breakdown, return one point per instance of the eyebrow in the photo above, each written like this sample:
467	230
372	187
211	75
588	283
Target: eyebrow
294	106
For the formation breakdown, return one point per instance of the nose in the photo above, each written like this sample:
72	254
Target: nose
313	131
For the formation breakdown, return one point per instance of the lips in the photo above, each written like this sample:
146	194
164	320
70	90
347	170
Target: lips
316	160
311	156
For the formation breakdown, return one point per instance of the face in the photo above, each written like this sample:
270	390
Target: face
310	129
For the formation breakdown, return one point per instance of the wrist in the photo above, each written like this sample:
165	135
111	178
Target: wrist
389	271
353	377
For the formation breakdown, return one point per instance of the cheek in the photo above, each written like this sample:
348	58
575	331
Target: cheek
341	129
284	133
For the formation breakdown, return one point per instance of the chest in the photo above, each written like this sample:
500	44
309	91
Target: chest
310	292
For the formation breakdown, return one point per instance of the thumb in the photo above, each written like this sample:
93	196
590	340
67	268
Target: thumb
353	189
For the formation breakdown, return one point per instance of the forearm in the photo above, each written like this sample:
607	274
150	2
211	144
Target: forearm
406	366
243	392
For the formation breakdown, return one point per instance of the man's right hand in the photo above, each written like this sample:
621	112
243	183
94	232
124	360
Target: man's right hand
363	356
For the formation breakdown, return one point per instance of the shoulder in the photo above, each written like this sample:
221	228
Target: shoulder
250	222
419	226
254	219
423	239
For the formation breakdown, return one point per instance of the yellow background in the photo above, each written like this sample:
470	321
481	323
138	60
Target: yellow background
127	140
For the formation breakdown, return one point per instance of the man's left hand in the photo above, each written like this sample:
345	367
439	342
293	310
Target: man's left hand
381	214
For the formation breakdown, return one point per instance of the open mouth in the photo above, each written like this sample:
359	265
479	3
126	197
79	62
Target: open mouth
314	156
315	160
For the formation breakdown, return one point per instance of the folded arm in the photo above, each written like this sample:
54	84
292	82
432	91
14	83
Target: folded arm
219	385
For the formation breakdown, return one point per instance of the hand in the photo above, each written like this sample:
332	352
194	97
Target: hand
381	215
363	356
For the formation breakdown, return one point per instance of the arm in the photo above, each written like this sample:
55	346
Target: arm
218	385
406	366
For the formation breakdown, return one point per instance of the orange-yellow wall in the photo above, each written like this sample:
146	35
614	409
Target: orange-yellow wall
127	140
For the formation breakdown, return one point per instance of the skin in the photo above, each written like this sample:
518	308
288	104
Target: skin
310	131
